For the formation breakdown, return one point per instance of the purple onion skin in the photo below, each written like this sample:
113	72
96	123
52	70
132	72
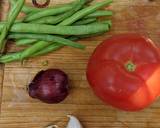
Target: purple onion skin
50	86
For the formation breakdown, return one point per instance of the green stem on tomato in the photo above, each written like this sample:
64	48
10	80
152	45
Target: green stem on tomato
130	66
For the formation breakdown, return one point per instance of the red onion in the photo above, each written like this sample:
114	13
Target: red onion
50	86
36	4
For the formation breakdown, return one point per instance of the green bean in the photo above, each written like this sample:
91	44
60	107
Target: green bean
60	30
85	36
49	38
24	53
53	47
100	13
34	49
49	20
59	18
48	12
109	22
25	41
85	21
29	9
25	9
12	2
48	49
30	41
17	56
10	20
12	5
86	11
27	31
10	57
56	19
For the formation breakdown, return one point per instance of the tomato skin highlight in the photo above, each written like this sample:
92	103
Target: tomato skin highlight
114	83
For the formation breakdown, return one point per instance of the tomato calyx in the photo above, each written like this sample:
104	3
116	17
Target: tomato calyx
130	66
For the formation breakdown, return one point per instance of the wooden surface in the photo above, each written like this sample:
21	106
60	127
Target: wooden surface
18	110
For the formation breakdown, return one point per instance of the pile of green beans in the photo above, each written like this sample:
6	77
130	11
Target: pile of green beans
48	29
10	20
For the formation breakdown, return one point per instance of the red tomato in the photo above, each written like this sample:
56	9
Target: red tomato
124	71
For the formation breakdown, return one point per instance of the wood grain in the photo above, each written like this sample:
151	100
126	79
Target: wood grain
20	111
3	8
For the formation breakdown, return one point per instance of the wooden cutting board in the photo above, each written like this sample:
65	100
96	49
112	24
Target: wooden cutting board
18	110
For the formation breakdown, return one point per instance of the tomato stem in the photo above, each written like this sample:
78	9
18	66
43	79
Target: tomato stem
130	66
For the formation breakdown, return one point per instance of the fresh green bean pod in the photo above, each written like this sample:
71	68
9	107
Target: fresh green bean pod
59	30
84	12
12	2
34	49
108	22
44	50
50	48
24	9
29	9
40	31
85	21
24	41
100	13
10	57
10	20
18	56
54	47
49	38
48	12
59	18
49	20
56	19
